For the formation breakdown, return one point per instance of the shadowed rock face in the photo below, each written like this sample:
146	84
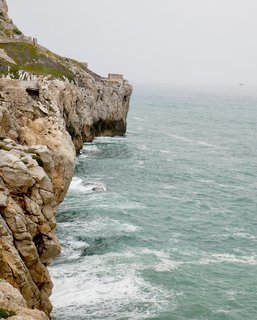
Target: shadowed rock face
43	125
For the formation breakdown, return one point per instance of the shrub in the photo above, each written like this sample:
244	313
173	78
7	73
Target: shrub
17	31
6	313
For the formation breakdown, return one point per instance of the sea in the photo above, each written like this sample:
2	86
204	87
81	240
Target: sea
162	224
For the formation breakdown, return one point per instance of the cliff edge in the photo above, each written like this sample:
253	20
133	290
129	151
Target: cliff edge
49	106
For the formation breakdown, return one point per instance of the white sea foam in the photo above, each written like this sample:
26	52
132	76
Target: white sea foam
82	156
169	187
205	181
180	138
165	265
73	246
107	287
228	258
130	205
91	148
199	142
159	254
222	311
239	233
71	249
104	226
231	294
77	185
109	140
138	119
206	144
164	151
244	235
142	147
133	132
162	261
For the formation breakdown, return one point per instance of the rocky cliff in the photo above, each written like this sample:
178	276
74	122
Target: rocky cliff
7	27
49	106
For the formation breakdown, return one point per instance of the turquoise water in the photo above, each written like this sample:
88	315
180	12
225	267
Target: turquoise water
162	224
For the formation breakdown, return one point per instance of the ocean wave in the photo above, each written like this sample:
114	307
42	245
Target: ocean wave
228	258
92	237
102	226
181	138
199	142
133	132
106	224
238	233
165	265
107	287
77	185
138	119
109	140
71	250
169	187
244	235
91	148
142	147
231	294
161	262
206	144
130	205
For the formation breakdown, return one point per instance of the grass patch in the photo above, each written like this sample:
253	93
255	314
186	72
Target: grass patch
6	313
35	60
79	64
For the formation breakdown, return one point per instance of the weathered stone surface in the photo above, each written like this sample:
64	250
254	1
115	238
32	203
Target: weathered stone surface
3	199
3	7
28	242
12	300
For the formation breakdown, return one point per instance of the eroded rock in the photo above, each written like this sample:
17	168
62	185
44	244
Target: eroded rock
12	301
28	241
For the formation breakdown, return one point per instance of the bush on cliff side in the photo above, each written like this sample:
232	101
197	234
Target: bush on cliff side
6	313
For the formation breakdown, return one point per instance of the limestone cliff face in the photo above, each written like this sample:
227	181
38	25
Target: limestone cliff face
43	124
15	307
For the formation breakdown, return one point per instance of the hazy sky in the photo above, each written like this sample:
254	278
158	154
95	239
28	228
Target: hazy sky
151	41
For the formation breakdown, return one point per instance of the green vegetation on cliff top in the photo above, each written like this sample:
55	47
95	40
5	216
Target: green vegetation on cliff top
35	60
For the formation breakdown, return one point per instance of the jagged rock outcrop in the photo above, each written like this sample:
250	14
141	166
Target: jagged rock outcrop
12	303
7	27
27	224
45	116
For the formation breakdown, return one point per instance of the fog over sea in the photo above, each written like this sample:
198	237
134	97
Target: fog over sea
162	224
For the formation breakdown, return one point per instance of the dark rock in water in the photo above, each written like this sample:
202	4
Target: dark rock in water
99	188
